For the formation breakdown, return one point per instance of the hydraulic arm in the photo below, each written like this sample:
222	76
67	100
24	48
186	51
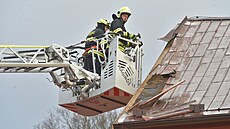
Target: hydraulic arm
81	91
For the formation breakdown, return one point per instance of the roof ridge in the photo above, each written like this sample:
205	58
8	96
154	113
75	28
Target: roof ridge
198	18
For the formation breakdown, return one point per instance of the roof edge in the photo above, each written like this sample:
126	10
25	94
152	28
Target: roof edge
173	33
206	119
200	18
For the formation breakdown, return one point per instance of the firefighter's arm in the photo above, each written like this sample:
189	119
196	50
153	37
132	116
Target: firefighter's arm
125	34
94	35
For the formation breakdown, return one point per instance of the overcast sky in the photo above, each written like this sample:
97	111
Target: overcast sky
26	98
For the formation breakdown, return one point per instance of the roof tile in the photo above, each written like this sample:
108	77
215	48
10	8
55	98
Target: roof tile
197	38
168	57
184	64
194	83
217	102
225	22
226	62
228	52
174	46
194	63
190	94
207	37
192	29
184	44
224	89
205	83
212	90
198	95
183	30
213	26
227	33
169	69
224	42
188	76
158	69
226	103
212	69
179	90
201	50
204	26
215	43
191	50
208	56
177	57
202	69
227	77
207	101
221	30
178	76
220	75
219	55
195	23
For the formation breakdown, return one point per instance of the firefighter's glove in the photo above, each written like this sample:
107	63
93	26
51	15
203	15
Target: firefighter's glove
140	43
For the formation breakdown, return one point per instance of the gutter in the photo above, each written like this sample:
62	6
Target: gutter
192	122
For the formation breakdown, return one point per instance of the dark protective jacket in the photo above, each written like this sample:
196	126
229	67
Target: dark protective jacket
96	33
90	43
118	26
118	23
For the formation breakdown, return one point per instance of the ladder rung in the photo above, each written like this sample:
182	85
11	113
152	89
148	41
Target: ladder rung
26	51
8	68
29	69
43	68
56	69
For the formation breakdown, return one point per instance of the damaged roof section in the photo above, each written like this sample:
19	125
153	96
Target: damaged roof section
197	52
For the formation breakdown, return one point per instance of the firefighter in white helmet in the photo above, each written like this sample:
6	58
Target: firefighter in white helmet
118	26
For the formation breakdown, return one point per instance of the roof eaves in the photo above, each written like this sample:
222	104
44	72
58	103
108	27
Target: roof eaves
218	119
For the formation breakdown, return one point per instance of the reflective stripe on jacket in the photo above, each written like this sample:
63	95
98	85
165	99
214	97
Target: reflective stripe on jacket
117	26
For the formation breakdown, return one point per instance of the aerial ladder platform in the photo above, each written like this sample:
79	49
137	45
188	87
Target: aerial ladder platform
81	91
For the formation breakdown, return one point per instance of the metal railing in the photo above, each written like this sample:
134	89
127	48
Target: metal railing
107	39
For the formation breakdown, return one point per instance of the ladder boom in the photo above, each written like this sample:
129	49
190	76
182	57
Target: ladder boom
14	58
82	91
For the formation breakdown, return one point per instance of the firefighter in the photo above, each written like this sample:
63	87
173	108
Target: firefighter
91	46
118	26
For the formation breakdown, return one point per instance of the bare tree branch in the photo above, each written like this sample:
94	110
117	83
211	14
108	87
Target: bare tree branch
60	118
